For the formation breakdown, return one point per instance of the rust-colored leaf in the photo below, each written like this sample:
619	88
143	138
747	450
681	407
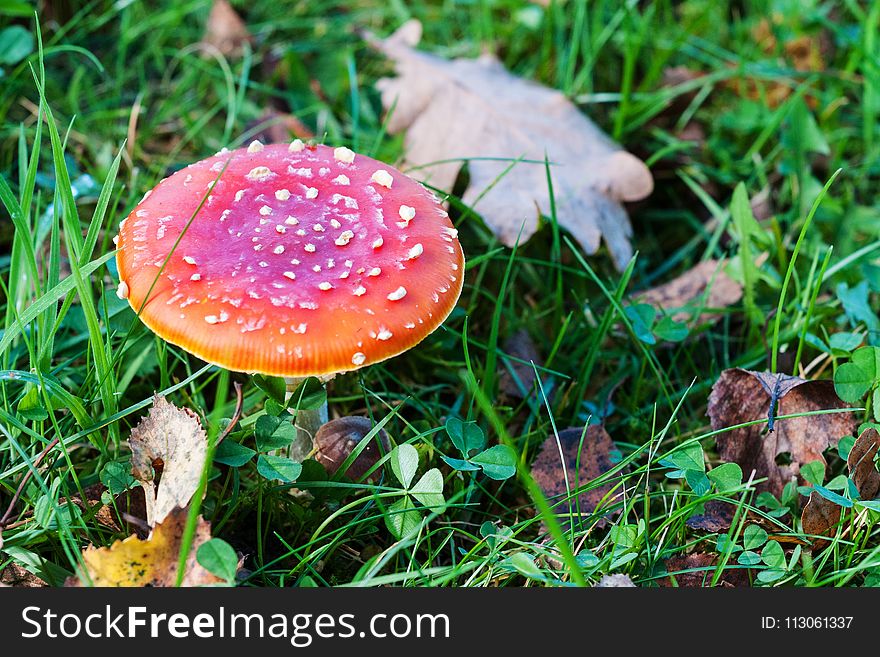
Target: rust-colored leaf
152	562
742	396
701	291
820	518
550	468
15	576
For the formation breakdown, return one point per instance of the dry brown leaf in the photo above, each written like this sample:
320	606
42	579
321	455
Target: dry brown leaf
595	451
741	396
716	517
150	562
697	570
862	469
819	518
15	576
517	377
475	110
170	440
684	295
225	30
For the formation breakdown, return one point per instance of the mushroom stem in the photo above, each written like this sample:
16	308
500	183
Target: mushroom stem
307	423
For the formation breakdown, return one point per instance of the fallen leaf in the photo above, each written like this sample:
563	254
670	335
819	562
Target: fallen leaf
225	30
474	110
150	562
616	581
336	440
862	469
172	440
697	570
15	576
716	517
705	288
549	471
819	518
517	377
742	396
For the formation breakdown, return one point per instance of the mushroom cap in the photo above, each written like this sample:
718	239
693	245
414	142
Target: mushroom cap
290	260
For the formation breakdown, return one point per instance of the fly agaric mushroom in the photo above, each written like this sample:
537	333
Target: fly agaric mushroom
290	260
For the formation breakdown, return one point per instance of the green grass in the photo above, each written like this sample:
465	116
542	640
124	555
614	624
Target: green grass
121	97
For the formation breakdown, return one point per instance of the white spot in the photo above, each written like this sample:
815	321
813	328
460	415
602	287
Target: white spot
378	242
239	195
280	229
375	271
278	250
325	286
344	238
195	277
334	223
214	319
305	172
359	291
308	305
301	232
316	268
294	262
409	325
358	359
299	329
116	239
318	228
282	194
255	146
406	213
331	263
415	252
342	179
344	154
265	210
344	274
382	177
398	294
311	192
296	146
310	248
290	275
291	221
122	290
259	173
263	263
450	232
189	260
225	214
383	334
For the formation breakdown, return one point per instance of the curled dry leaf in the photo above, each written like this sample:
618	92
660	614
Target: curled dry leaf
517	377
170	440
862	469
549	471
15	576
742	396
821	516
716	517
337	439
225	30
150	562
697	570
705	288
616	581
504	127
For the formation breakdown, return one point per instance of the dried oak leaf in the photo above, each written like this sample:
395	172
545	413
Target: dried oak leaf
860	461
697	570
517	377
172	440
474	110
741	396
705	287
225	30
819	518
150	562
596	459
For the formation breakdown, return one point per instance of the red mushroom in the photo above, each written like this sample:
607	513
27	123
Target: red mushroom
290	260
